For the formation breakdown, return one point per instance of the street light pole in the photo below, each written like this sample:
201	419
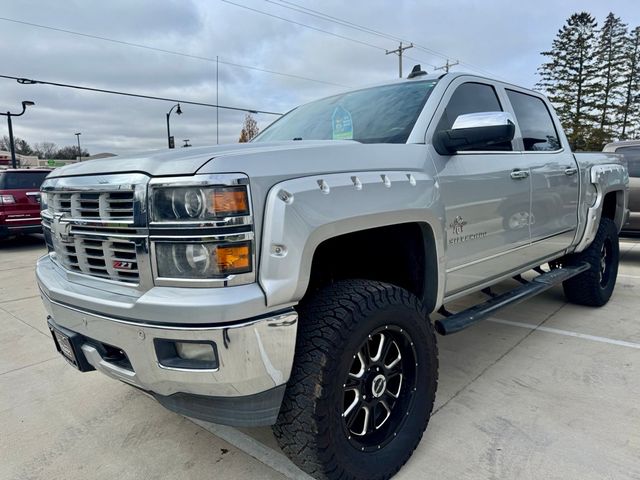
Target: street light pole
170	142
79	150
12	145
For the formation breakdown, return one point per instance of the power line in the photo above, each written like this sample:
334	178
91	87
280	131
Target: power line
343	37
324	16
170	52
327	32
315	13
30	81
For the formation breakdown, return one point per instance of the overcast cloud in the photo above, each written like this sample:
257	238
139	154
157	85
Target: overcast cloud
503	37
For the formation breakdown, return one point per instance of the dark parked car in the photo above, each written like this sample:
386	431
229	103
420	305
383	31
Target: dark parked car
20	201
630	149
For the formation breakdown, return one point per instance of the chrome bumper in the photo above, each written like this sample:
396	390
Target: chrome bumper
254	356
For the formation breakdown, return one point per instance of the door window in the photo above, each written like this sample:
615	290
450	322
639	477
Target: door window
472	97
632	156
536	125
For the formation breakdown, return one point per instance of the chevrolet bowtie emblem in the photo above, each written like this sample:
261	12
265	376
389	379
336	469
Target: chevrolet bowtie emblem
61	228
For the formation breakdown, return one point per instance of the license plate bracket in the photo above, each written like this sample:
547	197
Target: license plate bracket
69	345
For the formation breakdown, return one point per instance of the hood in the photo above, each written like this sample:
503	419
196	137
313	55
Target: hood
179	161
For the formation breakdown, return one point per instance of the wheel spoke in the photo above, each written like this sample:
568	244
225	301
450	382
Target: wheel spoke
353	404
387	414
361	367
396	356
381	348
394	386
363	427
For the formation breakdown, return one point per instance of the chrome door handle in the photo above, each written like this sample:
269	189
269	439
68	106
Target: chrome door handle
570	171
519	174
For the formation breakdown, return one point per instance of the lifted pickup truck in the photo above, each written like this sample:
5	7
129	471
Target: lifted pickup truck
289	281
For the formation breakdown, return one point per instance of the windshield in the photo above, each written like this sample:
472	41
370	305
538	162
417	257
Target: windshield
383	114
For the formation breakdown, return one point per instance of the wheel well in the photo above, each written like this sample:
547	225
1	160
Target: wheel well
613	207
402	254
609	206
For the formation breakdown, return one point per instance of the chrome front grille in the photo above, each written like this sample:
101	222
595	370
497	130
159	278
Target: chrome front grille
97	226
105	206
105	258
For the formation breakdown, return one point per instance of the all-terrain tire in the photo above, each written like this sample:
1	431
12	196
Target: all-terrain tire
594	287
335	325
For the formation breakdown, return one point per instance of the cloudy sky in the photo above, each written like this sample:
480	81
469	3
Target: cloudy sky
501	38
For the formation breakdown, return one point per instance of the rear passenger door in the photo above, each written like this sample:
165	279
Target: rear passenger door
485	193
554	176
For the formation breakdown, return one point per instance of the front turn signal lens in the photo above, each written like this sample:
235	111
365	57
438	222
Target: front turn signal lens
229	201
233	258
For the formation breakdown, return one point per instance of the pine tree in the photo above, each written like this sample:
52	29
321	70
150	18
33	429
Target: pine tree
609	78
567	78
630	110
249	129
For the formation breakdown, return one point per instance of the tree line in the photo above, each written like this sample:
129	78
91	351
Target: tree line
592	77
43	150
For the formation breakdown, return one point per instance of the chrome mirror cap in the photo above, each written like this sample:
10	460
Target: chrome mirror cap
482	119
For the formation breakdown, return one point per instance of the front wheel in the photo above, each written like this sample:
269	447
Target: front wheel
363	382
595	286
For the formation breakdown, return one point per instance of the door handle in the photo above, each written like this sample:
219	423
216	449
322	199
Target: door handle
519	174
570	171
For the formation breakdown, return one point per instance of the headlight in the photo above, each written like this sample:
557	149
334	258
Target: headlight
198	203
203	260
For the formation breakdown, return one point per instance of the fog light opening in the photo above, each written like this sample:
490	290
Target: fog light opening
186	354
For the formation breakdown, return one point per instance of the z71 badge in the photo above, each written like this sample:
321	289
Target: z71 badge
118	265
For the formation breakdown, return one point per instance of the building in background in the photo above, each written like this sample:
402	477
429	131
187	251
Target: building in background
32	161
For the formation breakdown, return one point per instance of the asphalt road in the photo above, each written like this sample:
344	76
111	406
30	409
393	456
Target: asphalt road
544	390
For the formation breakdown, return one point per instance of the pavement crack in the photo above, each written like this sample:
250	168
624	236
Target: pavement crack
29	366
497	360
22	321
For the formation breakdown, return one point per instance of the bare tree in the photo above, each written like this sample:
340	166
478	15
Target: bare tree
249	129
45	150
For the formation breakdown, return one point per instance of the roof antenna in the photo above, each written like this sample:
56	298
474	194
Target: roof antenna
416	71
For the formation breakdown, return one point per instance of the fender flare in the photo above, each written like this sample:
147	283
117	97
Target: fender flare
302	213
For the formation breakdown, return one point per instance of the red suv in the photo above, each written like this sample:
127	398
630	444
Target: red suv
20	201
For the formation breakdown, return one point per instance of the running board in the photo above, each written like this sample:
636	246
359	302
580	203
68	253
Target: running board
461	320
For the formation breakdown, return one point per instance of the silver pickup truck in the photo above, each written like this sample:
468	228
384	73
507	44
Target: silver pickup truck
290	281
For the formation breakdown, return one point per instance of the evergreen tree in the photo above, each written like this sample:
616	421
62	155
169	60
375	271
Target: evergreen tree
630	109
568	77
609	80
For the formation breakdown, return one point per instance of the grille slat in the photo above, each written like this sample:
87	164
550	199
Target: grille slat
94	206
91	249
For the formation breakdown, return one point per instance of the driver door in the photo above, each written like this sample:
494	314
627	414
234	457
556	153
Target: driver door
486	194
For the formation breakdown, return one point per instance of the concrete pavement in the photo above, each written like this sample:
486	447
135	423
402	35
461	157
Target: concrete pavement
545	390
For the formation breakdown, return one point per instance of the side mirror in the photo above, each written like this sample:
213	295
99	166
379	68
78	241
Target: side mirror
475	130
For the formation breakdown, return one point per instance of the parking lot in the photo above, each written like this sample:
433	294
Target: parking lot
544	390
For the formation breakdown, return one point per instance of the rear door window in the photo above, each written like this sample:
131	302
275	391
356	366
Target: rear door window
22	180
632	156
536	125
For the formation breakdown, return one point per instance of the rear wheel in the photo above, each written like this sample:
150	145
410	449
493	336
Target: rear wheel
595	286
363	382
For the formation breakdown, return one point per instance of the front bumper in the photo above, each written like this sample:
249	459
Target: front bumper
254	356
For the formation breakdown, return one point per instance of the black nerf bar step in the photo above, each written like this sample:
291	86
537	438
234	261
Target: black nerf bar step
461	320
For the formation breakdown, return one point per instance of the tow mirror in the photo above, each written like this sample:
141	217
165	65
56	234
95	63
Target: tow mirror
483	130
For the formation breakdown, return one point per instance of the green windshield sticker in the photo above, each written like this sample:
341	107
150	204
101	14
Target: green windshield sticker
342	124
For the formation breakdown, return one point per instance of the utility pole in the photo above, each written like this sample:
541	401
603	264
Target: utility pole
399	51
79	149
447	66
217	109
